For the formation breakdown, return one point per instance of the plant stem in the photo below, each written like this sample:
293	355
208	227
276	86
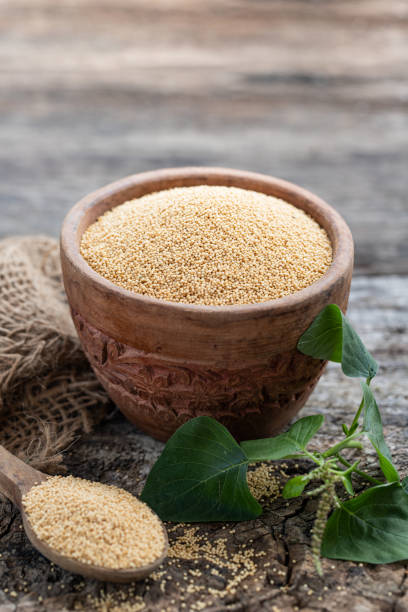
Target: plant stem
359	472
347	443
354	424
311	456
351	469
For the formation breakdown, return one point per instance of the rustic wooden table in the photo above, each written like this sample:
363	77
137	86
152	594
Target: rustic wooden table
315	92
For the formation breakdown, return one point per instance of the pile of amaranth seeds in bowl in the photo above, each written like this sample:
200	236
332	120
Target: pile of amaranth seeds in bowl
210	245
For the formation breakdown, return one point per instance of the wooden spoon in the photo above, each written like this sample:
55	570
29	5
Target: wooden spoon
16	479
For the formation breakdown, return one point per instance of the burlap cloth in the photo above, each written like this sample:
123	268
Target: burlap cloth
48	393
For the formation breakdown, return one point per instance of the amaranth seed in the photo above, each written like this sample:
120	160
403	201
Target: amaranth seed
209	245
202	553
94	523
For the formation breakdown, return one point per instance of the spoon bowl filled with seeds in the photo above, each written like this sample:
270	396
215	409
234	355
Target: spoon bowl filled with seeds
190	288
88	528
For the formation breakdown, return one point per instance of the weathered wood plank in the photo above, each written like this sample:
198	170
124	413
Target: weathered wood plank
117	453
315	92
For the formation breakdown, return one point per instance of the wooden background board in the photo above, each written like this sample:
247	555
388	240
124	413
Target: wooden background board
314	91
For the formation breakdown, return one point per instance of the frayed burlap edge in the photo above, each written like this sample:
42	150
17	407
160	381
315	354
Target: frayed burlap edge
48	392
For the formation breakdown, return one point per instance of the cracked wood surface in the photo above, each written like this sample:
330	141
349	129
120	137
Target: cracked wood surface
311	91
117	453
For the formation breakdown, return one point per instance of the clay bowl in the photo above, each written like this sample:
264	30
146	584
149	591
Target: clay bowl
163	363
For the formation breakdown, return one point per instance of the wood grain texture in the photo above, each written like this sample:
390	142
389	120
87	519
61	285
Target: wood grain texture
117	453
312	91
16	477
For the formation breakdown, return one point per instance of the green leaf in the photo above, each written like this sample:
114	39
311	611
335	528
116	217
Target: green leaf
294	487
201	476
356	361
305	428
285	445
404	483
324	338
371	528
372	425
331	337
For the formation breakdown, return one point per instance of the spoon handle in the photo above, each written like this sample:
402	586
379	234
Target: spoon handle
16	477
